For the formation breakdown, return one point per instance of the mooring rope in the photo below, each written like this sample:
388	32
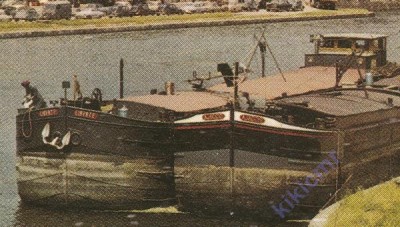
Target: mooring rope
27	135
336	192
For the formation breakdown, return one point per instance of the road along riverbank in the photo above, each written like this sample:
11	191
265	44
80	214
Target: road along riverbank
10	30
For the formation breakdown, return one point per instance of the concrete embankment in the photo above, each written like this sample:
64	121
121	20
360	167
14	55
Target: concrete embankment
173	25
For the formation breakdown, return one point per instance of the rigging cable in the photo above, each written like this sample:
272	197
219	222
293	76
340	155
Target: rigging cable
252	52
273	57
27	135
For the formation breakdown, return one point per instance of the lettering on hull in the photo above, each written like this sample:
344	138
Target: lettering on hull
85	114
49	112
213	116
206	117
252	118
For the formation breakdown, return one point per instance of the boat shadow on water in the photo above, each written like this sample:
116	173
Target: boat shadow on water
32	215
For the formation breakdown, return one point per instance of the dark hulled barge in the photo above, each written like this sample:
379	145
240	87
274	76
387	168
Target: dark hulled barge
215	153
64	161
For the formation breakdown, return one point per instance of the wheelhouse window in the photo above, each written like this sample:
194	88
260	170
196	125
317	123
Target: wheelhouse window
328	44
361	44
344	43
382	44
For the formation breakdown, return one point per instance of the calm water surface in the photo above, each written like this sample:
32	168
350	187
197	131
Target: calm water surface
151	58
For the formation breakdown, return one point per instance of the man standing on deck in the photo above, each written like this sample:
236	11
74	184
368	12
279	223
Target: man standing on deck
77	88
33	99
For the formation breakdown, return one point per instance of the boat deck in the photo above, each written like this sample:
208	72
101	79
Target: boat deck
346	102
394	81
297	82
181	101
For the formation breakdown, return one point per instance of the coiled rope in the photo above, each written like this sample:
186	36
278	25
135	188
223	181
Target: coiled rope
29	134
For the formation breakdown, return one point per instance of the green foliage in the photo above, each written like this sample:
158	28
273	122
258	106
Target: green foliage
379	206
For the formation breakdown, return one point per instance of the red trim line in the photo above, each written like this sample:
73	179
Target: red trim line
202	126
279	132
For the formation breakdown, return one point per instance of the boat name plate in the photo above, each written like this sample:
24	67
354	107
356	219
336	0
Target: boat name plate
213	116
49	112
85	114
253	119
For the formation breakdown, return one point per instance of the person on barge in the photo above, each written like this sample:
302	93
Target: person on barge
77	88
33	99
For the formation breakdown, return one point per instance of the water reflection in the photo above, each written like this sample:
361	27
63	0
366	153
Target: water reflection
38	216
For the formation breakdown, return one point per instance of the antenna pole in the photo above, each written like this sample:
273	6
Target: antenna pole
262	46
235	83
232	118
232	135
121	78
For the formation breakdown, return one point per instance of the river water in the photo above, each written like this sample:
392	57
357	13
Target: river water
151	58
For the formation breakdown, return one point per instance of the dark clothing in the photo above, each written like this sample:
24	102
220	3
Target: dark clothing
38	101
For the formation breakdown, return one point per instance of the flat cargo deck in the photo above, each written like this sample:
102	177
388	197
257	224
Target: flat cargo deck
297	82
181	101
347	102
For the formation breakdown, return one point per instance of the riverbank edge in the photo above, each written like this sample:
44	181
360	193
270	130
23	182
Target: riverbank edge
322	218
173	25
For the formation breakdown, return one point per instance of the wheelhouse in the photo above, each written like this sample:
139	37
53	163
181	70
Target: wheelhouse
369	49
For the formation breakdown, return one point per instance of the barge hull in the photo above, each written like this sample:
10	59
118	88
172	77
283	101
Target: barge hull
88	181
107	163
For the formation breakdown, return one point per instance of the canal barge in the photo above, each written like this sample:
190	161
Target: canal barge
243	143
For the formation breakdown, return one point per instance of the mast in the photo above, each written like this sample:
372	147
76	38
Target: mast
232	137
121	78
263	48
232	117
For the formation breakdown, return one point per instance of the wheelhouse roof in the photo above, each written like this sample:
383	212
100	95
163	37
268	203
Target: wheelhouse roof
353	36
56	2
346	102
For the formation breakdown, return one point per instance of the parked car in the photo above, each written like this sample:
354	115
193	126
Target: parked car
235	5
93	6
194	7
9	10
12	9
169	9
188	8
89	13
107	10
201	7
142	9
214	7
279	6
4	16
263	4
26	13
121	11
250	5
57	10
126	4
297	5
153	5
324	4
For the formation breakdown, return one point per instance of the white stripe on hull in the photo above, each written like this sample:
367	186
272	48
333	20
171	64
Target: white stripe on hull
243	117
199	118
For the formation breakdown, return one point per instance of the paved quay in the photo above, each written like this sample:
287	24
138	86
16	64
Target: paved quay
175	25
